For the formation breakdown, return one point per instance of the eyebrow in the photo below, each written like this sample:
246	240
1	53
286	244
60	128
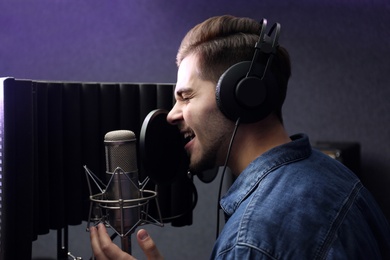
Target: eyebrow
183	90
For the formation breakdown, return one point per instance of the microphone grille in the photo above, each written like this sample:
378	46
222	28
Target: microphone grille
121	150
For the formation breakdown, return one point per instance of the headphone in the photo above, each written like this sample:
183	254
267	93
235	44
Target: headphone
247	90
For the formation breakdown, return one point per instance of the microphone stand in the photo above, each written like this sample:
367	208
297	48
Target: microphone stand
125	239
126	244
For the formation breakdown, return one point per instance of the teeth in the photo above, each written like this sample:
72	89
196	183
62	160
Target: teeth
188	136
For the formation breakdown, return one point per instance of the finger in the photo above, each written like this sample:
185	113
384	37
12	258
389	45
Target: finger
95	244
148	246
104	248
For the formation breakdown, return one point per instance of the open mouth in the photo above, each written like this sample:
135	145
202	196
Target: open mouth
188	136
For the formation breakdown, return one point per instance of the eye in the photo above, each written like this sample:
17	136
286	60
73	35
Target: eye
185	98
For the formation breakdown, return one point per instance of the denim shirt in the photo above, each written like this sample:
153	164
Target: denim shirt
294	202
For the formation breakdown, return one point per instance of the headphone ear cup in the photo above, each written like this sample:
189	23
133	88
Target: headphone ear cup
248	98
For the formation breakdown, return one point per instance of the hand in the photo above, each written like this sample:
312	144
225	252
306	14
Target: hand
104	249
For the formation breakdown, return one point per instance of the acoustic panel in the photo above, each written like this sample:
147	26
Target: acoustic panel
48	132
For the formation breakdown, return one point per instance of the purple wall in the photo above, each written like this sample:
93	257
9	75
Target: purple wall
340	53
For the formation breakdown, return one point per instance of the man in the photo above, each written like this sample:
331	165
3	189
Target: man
288	201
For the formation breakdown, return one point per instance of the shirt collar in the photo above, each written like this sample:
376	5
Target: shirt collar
259	168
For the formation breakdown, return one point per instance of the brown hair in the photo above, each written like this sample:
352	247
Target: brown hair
219	42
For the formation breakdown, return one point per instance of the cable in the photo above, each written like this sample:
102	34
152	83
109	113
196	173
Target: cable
223	173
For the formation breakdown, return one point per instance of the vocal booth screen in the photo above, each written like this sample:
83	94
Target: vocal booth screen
49	131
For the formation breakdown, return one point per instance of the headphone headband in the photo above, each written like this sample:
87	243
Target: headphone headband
266	44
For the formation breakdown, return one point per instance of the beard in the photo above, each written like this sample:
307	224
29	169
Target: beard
208	161
213	153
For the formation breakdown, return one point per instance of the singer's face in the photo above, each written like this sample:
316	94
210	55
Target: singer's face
198	118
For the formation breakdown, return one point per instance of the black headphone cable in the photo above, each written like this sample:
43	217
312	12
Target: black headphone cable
223	173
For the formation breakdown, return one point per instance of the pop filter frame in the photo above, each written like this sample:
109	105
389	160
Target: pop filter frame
161	148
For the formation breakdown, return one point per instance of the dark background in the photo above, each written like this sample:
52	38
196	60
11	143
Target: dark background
339	90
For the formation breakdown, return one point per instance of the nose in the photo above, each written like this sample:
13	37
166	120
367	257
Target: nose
175	115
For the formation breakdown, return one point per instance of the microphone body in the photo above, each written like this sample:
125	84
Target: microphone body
122	204
122	174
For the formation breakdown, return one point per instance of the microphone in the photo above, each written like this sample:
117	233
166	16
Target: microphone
122	204
123	183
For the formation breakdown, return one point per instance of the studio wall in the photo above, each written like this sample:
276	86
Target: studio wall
339	88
